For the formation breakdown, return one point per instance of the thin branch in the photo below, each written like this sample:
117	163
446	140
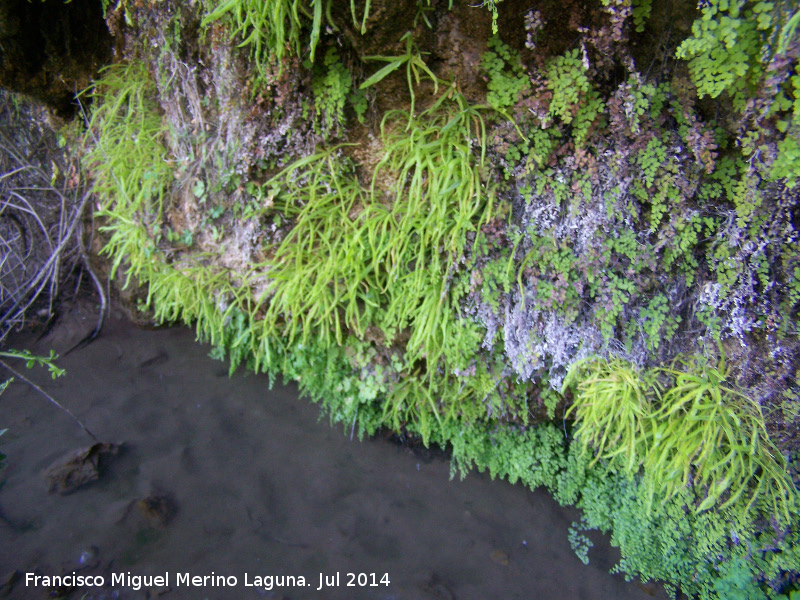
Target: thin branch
50	398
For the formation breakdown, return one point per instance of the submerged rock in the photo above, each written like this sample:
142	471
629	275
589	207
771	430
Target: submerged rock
79	468
158	508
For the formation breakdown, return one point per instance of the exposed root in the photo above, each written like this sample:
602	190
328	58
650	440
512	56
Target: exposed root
41	203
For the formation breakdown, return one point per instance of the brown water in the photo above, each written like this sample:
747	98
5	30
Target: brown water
248	482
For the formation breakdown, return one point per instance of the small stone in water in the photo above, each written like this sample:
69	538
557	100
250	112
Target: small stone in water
88	556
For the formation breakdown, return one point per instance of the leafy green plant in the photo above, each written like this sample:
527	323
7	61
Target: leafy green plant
714	438
331	88
412	59
32	360
645	99
574	100
355	17
129	165
588	112
657	322
788	32
269	26
738	583
533	456
787	163
542	144
199	190
557	275
132	176
685	427
579	542
641	12
566	78
316	270
360	103
551	399
358	258
497	279
616	293
370	278
506	73
612	406
491	5
650	159
440	180
724	52
661	540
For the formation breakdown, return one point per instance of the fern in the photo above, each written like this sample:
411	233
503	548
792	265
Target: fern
574	101
331	89
267	27
724	52
641	12
507	76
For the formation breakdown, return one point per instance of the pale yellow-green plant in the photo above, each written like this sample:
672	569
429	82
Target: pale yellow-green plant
612	409
684	428
268	27
126	157
412	59
382	256
709	435
358	256
129	164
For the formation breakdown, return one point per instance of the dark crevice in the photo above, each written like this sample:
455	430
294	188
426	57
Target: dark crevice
51	50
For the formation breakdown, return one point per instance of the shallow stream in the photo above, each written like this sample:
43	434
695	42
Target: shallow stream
224	476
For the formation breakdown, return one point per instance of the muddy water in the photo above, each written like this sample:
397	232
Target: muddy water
226	477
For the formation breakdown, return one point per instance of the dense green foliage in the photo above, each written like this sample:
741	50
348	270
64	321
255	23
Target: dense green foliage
405	282
682	424
331	91
269	26
507	77
129	166
725	48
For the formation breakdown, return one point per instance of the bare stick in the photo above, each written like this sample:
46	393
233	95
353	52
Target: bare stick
50	398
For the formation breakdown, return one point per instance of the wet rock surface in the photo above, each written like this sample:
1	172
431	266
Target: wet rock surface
79	468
